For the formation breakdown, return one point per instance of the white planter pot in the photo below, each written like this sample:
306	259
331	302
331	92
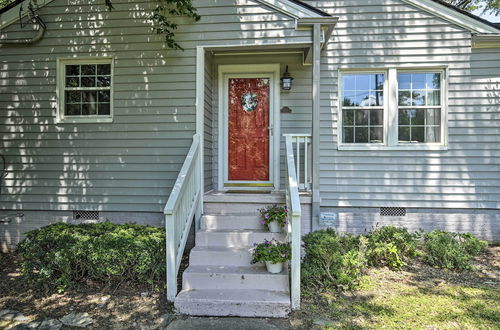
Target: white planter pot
274	227
274	268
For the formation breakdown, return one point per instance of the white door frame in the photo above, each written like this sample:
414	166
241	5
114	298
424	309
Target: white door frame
271	71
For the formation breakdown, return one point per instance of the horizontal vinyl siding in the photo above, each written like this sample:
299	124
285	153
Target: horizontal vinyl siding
132	163
374	34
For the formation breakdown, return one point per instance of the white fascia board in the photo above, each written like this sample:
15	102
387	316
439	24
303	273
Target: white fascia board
289	8
12	15
452	16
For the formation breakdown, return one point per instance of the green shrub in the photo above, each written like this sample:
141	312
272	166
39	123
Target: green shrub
451	250
62	255
391	246
332	260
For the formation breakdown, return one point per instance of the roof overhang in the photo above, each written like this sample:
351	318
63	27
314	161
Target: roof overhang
294	8
486	40
467	21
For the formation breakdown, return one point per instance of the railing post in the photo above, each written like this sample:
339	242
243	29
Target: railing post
171	257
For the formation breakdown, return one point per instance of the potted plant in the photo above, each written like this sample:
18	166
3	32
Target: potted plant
273	253
275	217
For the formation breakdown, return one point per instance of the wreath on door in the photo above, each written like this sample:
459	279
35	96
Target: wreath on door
249	102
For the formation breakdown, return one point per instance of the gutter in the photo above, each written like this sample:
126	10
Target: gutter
490	40
40	27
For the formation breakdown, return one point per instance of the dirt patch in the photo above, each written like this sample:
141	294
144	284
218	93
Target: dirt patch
123	307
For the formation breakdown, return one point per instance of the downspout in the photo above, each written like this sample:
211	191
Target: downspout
317	23
35	19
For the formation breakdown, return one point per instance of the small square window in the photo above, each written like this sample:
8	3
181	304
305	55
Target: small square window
85	90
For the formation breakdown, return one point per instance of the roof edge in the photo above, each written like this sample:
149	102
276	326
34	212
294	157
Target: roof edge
454	15
293	8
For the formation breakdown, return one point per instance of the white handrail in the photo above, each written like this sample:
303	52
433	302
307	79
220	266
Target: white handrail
294	219
302	158
182	206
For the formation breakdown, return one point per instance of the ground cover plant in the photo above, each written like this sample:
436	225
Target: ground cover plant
451	250
391	246
332	260
62	255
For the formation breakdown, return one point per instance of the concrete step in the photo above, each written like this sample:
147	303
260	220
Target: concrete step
220	256
230	221
233	278
243	303
227	208
235	238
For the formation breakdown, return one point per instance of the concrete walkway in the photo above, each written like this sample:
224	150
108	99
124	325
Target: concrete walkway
228	323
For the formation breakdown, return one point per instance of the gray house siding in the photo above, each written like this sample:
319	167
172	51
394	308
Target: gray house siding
378	35
127	168
124	169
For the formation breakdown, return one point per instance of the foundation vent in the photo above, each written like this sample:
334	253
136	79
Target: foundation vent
85	215
393	211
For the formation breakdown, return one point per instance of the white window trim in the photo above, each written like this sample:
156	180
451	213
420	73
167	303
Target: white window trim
61	118
391	111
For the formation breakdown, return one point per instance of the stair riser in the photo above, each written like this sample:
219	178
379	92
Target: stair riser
215	281
218	222
241	309
218	258
233	208
246	239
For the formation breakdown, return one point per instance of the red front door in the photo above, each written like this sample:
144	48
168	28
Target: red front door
248	132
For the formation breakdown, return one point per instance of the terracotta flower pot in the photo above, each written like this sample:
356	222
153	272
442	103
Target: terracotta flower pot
274	268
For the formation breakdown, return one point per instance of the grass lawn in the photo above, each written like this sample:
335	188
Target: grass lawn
418	298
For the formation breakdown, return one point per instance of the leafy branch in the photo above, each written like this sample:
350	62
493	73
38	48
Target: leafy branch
162	17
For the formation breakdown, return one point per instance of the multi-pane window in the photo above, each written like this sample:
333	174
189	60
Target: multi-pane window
363	108
419	107
395	108
86	89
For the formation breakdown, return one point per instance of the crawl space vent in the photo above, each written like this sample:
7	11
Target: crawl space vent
393	211
85	215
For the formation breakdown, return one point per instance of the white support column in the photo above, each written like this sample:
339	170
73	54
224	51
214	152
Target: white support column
200	122
316	124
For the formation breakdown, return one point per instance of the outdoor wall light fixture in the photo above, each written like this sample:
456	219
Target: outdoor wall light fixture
286	80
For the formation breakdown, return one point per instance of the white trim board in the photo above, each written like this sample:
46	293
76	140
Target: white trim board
289	8
453	16
249	70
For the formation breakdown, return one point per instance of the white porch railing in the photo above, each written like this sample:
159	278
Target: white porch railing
301	147
294	221
182	206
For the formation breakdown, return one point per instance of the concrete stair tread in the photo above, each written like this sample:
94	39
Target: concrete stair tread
246	296
200	248
250	270
250	231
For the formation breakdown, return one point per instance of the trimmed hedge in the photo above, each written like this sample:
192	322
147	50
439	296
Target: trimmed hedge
61	255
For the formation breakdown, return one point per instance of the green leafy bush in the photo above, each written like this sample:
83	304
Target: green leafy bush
332	260
272	251
451	250
61	255
391	246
